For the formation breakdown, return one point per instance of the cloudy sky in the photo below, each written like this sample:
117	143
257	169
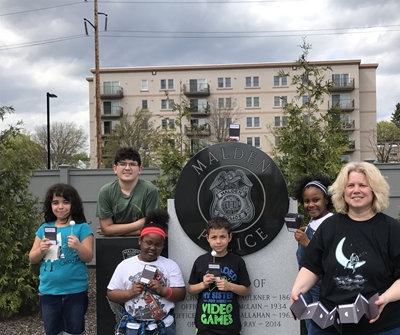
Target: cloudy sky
44	47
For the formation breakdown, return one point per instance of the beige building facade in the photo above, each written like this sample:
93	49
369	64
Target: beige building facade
254	92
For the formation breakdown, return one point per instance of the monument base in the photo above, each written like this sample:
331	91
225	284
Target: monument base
272	271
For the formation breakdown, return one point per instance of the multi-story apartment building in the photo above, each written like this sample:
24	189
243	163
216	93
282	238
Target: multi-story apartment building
255	91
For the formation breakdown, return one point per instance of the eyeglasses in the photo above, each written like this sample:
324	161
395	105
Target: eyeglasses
125	164
150	244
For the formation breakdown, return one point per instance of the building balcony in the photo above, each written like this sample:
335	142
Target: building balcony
202	130
112	112
111	92
343	85
346	105
199	90
107	131
349	125
199	110
352	146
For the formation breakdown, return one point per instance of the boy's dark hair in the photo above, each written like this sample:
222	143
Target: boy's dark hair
157	218
70	194
127	153
301	183
219	222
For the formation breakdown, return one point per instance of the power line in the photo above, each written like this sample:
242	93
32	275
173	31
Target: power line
249	32
266	34
35	43
201	1
245	36
39	9
154	2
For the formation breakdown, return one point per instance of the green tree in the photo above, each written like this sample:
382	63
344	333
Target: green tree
19	219
173	149
309	141
66	140
384	141
138	134
78	160
396	116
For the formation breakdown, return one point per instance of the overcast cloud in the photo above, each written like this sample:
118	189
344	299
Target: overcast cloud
44	48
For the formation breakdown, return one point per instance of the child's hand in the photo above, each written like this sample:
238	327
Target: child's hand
137	288
223	285
155	285
301	237
73	242
208	279
45	245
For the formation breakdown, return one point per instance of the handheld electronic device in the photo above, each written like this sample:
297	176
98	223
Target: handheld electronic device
148	273
234	131
51	234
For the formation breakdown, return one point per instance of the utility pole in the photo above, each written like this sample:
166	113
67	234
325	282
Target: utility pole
99	141
97	74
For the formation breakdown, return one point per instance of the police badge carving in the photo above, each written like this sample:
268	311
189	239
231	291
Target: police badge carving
231	197
239	182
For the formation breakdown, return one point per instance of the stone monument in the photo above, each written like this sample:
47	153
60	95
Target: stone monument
243	184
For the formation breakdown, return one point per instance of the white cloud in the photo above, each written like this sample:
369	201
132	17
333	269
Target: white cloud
28	73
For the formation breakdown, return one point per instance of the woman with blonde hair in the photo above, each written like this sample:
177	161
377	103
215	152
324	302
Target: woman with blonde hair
356	251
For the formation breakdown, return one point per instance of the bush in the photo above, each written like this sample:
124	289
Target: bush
19	219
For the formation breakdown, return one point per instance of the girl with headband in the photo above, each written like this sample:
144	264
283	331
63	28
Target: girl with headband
148	299
312	193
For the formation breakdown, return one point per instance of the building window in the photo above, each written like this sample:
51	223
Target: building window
224	103
170	123
144	104
248	102
280	121
256	101
277	141
343	100
199	106
250	121
280	101
145	85
252	82
252	102
224	122
111	87
249	140
224	82
304	99
255	82
111	107
109	127
280	80
166	103
342	80
164	82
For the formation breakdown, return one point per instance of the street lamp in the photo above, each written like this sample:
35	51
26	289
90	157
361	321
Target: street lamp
48	95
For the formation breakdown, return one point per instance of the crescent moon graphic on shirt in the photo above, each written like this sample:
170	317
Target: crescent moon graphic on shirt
342	259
